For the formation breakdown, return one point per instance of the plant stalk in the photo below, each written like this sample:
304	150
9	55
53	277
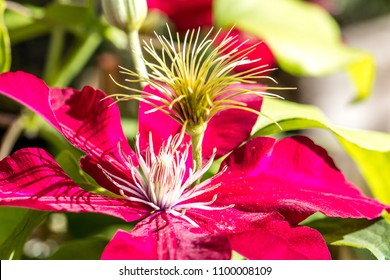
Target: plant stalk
137	56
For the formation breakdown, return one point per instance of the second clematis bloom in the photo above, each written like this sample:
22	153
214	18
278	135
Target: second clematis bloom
252	206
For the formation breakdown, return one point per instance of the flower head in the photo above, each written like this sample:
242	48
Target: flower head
195	79
264	189
159	180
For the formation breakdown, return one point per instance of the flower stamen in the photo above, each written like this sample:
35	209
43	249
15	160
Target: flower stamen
160	180
194	76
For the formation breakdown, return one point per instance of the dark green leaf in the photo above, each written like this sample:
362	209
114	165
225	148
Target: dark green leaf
22	224
333	229
375	238
86	249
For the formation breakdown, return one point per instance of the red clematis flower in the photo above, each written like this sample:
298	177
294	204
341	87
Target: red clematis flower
251	206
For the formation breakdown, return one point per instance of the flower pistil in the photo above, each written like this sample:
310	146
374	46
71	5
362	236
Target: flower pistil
161	181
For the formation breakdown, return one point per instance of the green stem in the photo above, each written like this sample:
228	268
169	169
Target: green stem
76	60
11	136
137	56
54	54
196	141
197	133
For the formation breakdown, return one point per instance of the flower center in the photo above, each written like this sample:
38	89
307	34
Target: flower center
162	180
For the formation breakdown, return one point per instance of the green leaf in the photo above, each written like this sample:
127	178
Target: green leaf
17	225
82	225
375	238
304	38
5	46
373	235
334	229
86	249
9	218
369	149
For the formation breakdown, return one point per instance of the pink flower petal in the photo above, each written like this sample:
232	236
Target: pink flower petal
230	220
225	131
31	178
90	165
165	237
292	176
263	235
84	118
160	125
29	91
90	121
230	128
244	41
278	241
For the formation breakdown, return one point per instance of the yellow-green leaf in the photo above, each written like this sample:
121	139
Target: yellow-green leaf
304	38
369	149
5	48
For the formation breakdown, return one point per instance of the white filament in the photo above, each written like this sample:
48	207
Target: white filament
159	180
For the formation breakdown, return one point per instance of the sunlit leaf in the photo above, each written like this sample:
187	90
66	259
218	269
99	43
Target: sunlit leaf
369	149
5	48
304	38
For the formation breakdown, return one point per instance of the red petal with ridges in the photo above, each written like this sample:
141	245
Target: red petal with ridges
225	131
276	240
293	176
90	121
29	91
230	128
263	235
89	164
165	237
31	178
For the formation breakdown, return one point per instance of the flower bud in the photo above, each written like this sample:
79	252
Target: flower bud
127	15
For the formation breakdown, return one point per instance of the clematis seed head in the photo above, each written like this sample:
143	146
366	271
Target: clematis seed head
194	77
